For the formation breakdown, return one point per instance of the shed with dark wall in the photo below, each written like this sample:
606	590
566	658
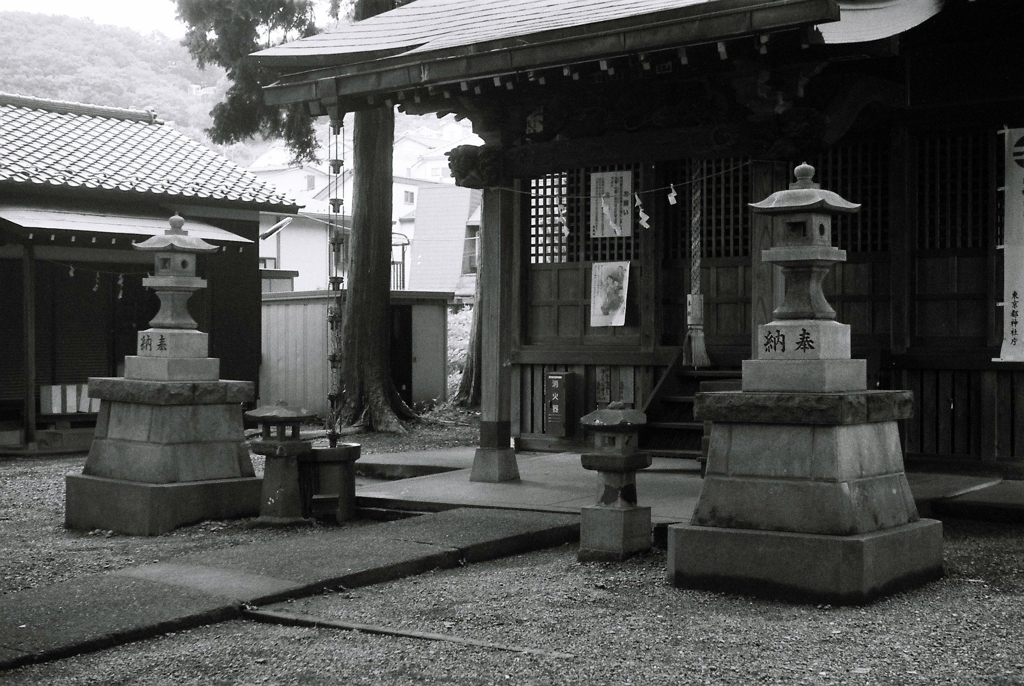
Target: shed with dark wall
78	185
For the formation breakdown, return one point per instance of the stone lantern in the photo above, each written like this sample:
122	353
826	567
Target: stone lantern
616	527
169	447
172	348
281	444
805	493
300	481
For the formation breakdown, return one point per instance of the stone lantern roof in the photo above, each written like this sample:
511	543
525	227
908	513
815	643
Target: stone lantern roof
176	239
804	195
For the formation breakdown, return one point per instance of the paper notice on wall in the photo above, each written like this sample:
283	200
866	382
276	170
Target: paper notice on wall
611	210
609	283
1013	248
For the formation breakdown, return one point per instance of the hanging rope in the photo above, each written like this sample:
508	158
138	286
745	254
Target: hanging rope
698	355
695	230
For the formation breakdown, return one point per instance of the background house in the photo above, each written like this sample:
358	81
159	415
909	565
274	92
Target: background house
444	251
419	163
78	185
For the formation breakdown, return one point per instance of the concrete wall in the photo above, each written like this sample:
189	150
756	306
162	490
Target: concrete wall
295	342
294	366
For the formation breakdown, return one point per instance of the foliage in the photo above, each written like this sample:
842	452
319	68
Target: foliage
225	33
105	65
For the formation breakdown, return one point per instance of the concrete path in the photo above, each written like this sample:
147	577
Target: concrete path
548	482
103	610
558	483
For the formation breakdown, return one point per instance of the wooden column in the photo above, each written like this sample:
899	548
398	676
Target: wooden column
28	303
766	279
495	460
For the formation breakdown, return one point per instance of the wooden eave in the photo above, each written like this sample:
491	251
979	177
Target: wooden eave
698	24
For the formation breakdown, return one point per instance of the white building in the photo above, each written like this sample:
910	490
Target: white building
296	256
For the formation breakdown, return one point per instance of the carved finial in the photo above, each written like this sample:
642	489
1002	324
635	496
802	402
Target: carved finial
176	223
804	177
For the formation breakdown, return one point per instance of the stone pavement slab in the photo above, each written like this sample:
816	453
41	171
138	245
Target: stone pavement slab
480	534
98	611
414	463
1002	502
348	557
549	483
230	583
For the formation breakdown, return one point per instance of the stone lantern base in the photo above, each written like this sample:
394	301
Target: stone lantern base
165	454
841	570
805	496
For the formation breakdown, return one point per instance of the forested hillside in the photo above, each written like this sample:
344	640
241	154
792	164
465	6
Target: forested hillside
74	59
77	60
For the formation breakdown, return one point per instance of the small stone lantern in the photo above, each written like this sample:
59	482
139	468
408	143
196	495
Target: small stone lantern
282	445
616	527
300	481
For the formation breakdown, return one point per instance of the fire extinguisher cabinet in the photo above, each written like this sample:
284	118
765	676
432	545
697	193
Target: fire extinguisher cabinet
558	394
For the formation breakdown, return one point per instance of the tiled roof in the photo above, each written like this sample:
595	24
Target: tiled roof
69	145
444	42
435	24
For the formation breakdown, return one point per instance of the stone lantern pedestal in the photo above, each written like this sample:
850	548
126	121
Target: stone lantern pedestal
616	527
169	447
805	493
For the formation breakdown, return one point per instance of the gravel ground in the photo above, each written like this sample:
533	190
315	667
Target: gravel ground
621	623
36	549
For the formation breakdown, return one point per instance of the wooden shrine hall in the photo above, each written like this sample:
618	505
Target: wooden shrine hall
624	142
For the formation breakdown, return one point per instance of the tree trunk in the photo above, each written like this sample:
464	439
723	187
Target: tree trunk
369	396
469	387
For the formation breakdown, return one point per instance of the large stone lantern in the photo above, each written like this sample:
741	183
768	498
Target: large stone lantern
805	493
169	447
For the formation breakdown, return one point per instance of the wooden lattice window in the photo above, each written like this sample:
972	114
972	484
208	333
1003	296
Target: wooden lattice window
859	172
583	247
725	192
547	233
675	218
953	198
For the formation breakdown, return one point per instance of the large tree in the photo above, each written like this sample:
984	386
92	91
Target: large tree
225	32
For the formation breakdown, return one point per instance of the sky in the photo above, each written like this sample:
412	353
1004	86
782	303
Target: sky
145	16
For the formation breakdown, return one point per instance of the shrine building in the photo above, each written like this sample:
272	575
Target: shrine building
624	142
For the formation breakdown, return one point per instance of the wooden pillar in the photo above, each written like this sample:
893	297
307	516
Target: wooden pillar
495	460
766	279
28	304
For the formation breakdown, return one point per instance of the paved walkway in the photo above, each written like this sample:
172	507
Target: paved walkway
467	522
558	483
102	610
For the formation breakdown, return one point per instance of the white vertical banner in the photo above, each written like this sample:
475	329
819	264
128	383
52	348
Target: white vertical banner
611	208
1013	248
